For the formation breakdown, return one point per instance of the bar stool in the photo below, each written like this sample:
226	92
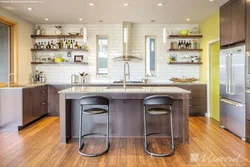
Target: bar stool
93	100
167	102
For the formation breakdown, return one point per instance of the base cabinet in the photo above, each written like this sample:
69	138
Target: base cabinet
35	103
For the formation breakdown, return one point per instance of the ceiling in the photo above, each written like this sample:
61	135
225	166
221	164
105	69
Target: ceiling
114	11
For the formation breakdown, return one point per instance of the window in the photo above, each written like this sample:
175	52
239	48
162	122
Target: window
4	52
150	56
102	55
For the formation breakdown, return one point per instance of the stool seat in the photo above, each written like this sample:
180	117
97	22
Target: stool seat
158	111
94	111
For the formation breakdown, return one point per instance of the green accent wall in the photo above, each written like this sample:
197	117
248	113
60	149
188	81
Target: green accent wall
210	29
215	80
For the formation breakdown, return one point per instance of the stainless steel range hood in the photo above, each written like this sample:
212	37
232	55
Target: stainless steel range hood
126	41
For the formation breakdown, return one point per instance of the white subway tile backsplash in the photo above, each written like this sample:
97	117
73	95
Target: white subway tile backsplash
62	73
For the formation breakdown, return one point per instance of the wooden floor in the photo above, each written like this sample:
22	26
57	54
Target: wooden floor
38	145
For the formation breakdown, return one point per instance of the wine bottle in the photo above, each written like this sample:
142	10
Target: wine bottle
179	45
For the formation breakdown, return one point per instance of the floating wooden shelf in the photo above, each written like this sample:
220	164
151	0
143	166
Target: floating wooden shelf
185	50
197	63
56	36
184	36
58	50
80	63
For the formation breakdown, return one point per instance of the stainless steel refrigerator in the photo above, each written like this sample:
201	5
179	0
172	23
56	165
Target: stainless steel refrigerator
232	90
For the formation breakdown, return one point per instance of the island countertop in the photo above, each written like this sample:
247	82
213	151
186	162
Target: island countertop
126	111
129	89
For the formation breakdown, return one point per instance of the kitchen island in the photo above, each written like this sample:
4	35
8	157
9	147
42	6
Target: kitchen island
126	112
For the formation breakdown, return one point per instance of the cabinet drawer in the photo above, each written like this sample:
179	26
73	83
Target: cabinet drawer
197	109
198	102
184	87
198	87
198	93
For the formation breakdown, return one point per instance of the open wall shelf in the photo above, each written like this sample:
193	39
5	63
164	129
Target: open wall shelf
185	36
79	63
190	63
56	36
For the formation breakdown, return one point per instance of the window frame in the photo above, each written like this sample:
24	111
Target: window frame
13	49
97	55
155	48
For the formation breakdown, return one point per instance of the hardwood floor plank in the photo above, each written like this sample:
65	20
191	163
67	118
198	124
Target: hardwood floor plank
38	145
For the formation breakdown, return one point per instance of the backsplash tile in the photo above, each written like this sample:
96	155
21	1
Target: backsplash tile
62	73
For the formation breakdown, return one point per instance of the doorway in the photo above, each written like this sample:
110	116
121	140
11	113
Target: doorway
214	79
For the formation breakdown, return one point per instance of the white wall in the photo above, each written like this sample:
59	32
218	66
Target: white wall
62	73
25	29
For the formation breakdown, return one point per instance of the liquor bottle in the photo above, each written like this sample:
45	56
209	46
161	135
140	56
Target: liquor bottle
61	44
71	44
39	45
182	44
190	45
187	45
179	45
76	46
42	46
68	45
48	46
36	46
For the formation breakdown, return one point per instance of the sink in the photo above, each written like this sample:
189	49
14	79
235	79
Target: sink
128	88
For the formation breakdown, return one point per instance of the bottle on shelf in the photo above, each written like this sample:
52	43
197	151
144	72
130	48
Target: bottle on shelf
36	46
71	44
179	45
48	46
41	46
76	46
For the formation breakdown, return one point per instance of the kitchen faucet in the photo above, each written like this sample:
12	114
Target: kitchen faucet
126	74
9	79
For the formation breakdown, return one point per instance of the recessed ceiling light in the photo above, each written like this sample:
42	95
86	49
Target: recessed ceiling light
211	0
91	4
80	19
160	4
30	9
46	19
188	19
126	4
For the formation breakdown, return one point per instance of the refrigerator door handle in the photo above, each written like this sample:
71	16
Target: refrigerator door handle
227	73
232	103
230	74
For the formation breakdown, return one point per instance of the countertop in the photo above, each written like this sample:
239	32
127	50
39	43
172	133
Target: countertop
129	90
100	84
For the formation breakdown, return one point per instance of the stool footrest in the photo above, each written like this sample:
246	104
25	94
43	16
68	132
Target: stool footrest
97	154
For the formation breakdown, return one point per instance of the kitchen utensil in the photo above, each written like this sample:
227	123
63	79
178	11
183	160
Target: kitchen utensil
184	32
144	80
73	78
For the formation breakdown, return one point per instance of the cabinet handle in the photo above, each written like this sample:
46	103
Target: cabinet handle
43	91
42	103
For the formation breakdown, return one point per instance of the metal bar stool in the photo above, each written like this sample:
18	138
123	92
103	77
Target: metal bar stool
93	100
154	101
